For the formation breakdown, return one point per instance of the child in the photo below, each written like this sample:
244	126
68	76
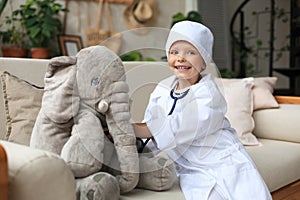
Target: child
186	118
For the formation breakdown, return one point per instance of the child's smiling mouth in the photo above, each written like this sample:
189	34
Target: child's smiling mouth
182	67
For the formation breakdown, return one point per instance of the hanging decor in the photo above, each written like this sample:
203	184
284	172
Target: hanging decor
104	36
141	13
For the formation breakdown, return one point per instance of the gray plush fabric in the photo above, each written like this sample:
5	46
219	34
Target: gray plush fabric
157	172
100	185
69	124
84	95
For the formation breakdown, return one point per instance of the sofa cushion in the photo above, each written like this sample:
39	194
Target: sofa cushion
277	161
263	93
286	119
239	98
22	102
2	116
31	70
242	102
174	193
269	157
37	174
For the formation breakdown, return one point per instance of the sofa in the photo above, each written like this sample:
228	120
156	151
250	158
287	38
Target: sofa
273	141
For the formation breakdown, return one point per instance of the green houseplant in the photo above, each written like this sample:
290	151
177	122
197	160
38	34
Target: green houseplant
13	37
135	56
192	15
42	22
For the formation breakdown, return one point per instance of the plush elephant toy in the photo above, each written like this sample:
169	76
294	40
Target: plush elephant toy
85	119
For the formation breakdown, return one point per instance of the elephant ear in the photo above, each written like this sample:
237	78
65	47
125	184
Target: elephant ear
60	101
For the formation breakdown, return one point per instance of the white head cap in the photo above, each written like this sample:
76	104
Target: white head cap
196	34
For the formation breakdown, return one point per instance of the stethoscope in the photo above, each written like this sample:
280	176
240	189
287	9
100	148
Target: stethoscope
176	98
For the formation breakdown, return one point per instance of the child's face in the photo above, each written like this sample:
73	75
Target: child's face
185	61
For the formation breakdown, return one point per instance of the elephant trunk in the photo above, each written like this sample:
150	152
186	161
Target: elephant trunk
118	121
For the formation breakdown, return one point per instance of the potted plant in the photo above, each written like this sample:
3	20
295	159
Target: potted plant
192	15
42	22
13	38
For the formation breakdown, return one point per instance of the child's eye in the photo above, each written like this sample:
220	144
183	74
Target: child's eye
191	52
174	52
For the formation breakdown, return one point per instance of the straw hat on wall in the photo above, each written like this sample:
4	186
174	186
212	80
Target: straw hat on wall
141	13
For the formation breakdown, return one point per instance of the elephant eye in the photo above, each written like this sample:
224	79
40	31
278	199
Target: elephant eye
95	82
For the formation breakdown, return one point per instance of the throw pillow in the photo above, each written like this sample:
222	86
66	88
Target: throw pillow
263	93
22	103
239	97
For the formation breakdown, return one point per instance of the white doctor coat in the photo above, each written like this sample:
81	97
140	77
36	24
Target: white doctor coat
205	149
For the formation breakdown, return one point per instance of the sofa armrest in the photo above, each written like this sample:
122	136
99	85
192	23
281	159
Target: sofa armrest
37	174
288	99
3	174
281	123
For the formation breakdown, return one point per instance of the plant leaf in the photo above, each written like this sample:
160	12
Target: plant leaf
2	5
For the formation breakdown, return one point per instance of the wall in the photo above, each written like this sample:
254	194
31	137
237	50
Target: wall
259	29
83	16
215	16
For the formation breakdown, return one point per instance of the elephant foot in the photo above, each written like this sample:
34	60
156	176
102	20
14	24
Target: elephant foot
156	173
98	186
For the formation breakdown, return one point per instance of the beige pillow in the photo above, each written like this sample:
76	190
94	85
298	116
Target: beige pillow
263	93
239	97
22	103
